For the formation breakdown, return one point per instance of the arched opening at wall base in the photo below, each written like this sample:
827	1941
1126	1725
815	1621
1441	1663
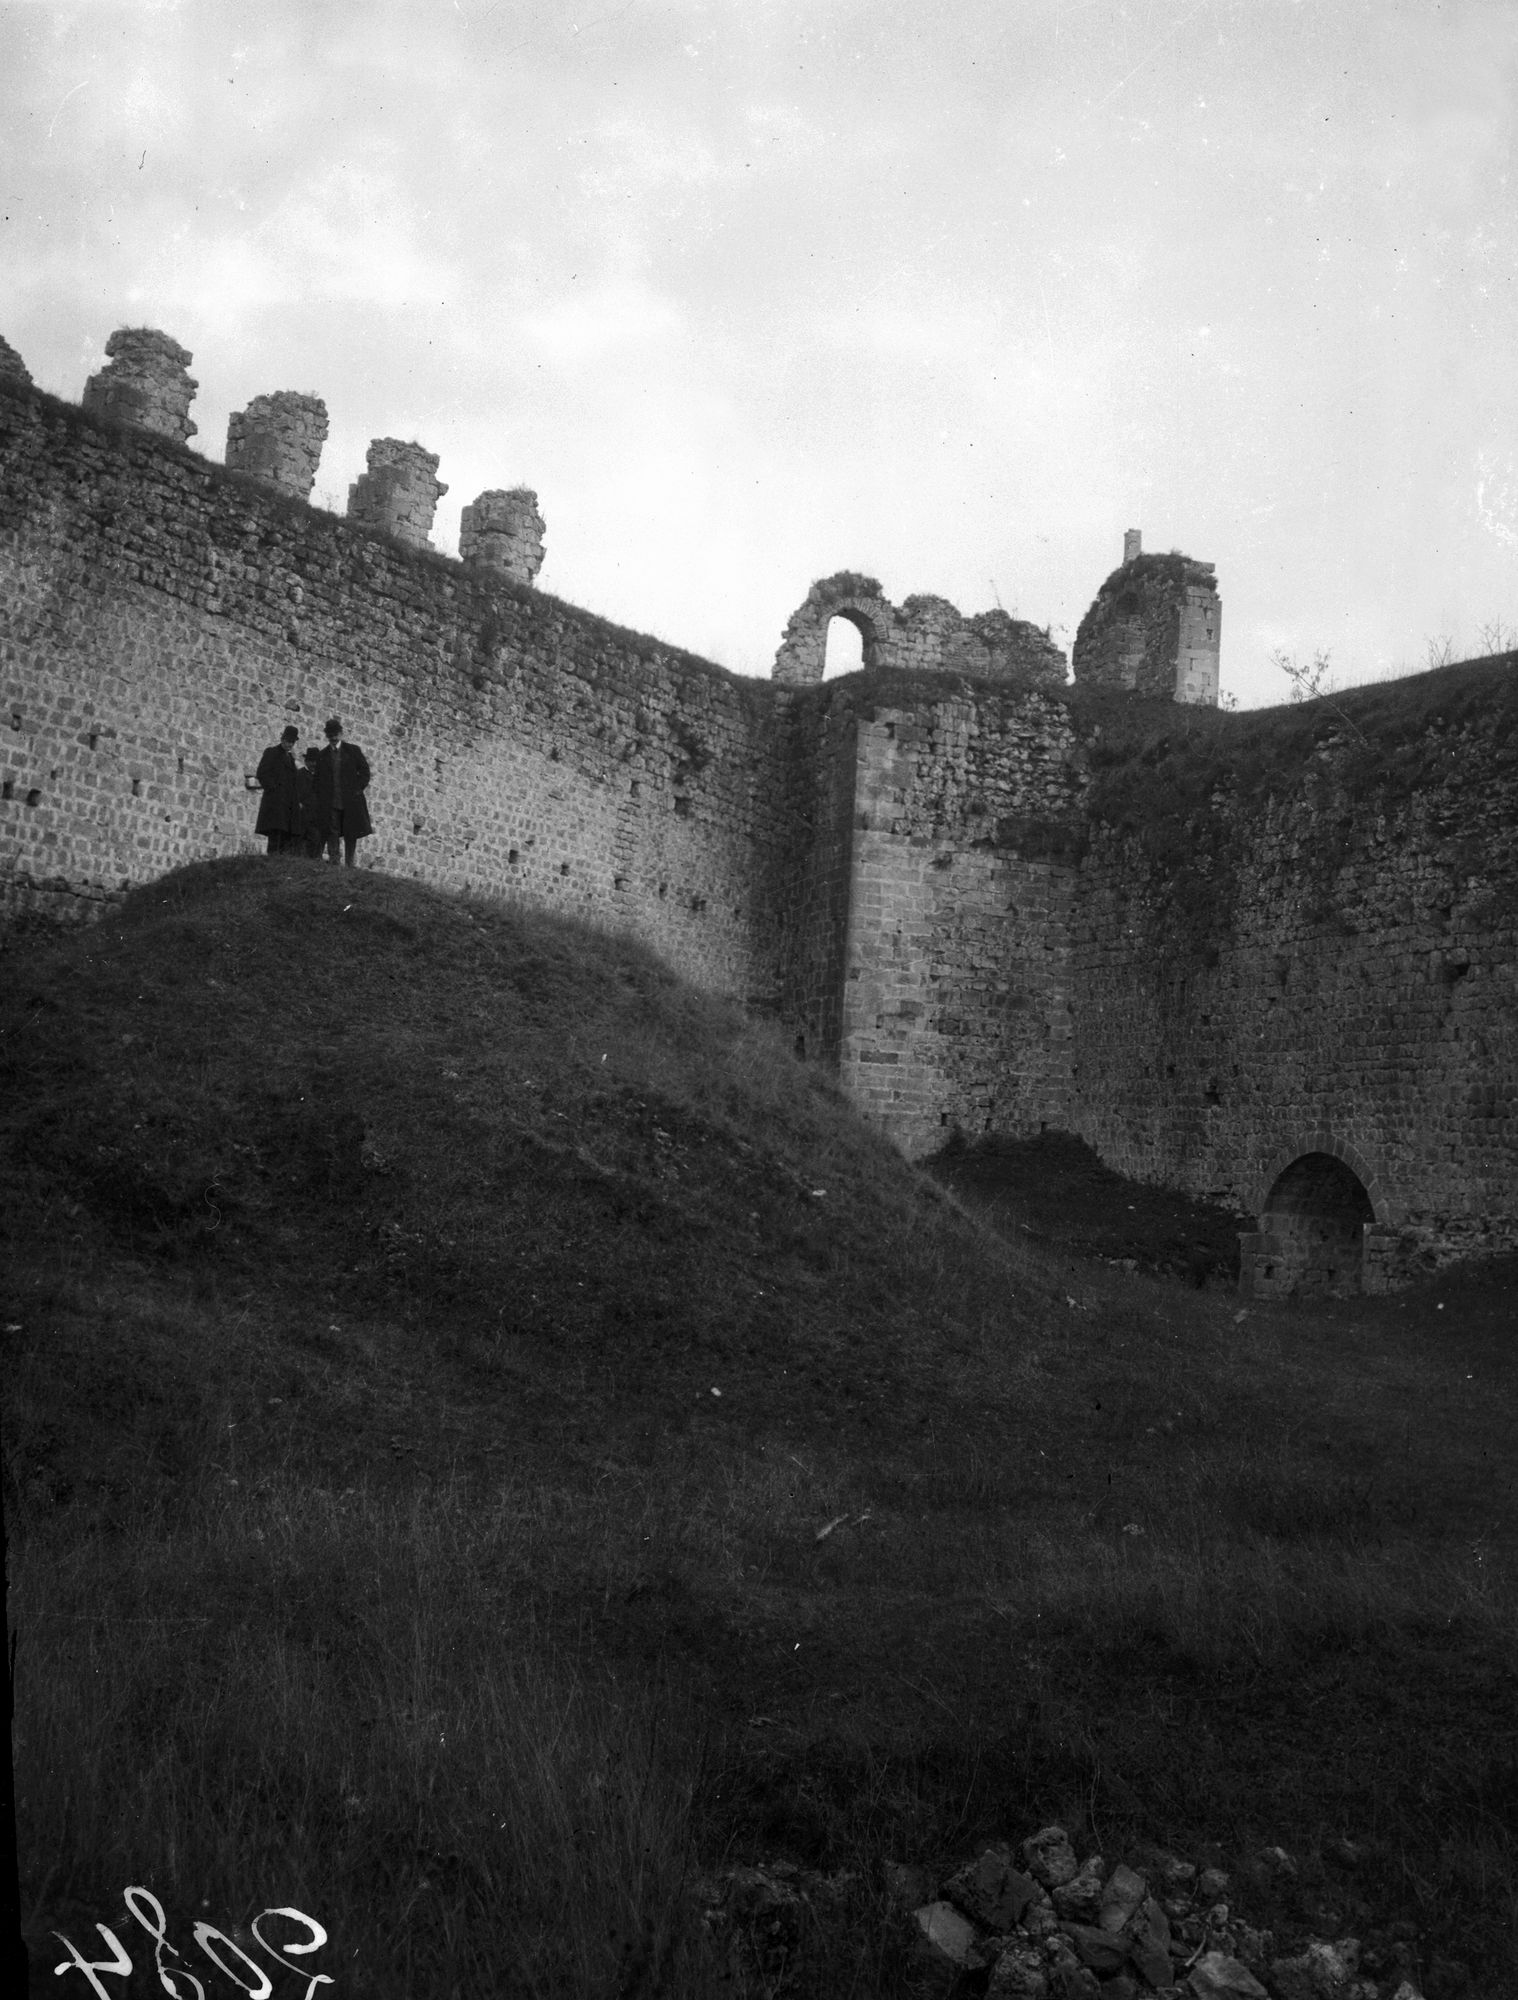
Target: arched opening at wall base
1317	1222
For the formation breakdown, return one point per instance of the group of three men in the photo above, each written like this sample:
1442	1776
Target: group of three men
317	804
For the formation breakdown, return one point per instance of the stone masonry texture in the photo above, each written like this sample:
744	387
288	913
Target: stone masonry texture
146	383
1235	953
503	531
399	492
1155	628
924	632
278	439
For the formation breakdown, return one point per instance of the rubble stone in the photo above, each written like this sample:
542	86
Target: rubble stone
1125	1890
1104	1953
1050	1857
1018	1974
1081	1896
1321	1971
949	1935
1216	1976
992	1890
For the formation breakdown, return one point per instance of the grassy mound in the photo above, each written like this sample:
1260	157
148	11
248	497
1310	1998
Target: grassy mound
489	1436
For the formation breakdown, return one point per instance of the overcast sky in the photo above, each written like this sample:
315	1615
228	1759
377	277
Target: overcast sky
751	291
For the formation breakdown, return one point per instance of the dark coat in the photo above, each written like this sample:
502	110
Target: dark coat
305	822
276	776
355	783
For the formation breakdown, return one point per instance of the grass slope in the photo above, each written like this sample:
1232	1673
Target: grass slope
488	1436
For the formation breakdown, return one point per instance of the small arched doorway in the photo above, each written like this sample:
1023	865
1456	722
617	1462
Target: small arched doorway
1312	1230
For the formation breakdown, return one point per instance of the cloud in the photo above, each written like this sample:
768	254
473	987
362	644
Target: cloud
598	320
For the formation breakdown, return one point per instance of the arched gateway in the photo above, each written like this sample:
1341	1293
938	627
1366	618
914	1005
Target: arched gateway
1324	1225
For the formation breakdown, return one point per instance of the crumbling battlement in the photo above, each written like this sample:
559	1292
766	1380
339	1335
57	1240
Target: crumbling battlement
504	531
146	383
399	492
1272	958
278	439
1154	629
925	633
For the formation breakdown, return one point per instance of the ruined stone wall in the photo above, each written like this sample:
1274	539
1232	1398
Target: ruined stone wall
956	1005
1290	934
1154	629
925	634
165	620
1326	961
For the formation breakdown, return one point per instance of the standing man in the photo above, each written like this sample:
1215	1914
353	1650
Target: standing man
276	780
342	777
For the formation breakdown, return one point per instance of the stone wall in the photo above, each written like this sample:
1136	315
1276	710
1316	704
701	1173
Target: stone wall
1316	952
956	1003
165	621
925	634
1216	946
1155	628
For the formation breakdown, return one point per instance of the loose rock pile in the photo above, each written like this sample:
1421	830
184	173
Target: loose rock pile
1043	1925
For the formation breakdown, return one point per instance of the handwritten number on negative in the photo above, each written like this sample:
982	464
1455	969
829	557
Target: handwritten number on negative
158	1932
148	1911
120	1963
203	1936
318	1939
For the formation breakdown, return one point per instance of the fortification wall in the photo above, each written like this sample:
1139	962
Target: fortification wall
1211	949
956	1007
166	619
1321	960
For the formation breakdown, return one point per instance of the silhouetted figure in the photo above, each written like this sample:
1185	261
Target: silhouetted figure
309	833
276	780
342	778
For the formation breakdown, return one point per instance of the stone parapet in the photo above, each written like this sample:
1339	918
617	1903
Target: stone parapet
503	531
399	492
146	383
278	440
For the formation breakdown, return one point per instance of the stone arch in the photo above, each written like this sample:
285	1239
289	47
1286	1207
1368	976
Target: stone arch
1324	1223
802	653
1383	1205
851	621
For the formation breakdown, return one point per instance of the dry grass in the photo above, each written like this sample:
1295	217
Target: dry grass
381	1548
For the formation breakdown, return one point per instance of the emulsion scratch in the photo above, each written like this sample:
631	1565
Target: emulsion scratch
64	100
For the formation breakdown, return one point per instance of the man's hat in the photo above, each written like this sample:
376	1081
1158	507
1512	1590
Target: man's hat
289	734
312	754
334	727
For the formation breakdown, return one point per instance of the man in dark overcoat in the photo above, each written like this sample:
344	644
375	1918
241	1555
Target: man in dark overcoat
276	780
342	778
